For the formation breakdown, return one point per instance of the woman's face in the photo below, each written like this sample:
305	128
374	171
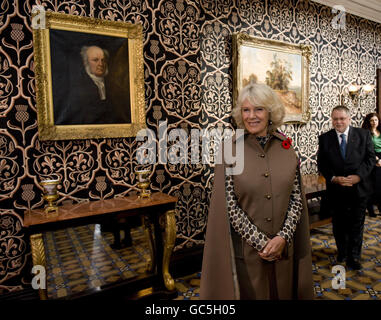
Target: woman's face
373	122
255	118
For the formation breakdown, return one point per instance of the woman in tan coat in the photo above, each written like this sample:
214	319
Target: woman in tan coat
257	242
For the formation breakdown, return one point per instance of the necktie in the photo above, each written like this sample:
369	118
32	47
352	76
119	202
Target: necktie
343	145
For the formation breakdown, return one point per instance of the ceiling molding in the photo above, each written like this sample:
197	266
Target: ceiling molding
368	9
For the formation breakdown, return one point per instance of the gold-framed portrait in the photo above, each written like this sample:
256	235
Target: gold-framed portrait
282	66
89	78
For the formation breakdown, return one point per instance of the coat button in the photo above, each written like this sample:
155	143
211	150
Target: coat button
266	175
268	219
268	197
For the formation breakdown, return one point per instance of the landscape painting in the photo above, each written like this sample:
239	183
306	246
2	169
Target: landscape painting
282	66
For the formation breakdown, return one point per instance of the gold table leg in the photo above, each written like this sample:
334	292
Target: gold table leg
148	233
38	257
169	226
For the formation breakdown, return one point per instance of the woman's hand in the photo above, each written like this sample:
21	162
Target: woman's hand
273	250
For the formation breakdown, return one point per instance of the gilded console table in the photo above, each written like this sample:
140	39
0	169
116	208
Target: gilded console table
157	212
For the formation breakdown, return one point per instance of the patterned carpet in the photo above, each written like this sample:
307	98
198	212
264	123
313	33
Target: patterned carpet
364	284
81	258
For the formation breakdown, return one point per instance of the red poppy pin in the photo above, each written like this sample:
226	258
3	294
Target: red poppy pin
287	143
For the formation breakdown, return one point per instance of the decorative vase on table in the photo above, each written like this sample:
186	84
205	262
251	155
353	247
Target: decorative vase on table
50	195
143	177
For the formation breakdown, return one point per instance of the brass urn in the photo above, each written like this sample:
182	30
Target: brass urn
50	195
143	177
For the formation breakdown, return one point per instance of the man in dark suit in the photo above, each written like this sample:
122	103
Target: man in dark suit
346	158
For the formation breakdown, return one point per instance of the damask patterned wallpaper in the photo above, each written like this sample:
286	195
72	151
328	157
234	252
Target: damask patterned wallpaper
188	82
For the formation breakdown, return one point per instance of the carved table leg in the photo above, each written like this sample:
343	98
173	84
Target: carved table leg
38	257
148	233
169	226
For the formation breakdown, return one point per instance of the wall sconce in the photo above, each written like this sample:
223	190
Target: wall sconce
359	92
353	90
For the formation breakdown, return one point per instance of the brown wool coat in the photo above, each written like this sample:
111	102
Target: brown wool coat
292	274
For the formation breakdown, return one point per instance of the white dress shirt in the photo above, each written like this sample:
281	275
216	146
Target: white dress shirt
100	83
346	132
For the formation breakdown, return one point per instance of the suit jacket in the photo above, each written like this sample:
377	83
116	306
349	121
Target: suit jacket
82	104
360	159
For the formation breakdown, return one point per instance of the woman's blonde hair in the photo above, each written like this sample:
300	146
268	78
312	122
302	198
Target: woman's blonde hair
260	95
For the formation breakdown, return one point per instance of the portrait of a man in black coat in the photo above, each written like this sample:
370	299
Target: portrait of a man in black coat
93	88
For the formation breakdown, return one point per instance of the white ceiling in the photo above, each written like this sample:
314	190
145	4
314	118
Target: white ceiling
369	9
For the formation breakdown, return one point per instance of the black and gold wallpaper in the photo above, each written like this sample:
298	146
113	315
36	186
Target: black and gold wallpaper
188	82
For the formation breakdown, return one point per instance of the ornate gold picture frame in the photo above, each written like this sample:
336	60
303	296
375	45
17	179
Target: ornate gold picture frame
282	66
89	78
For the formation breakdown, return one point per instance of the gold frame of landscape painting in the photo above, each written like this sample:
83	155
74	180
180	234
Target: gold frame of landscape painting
282	66
71	104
